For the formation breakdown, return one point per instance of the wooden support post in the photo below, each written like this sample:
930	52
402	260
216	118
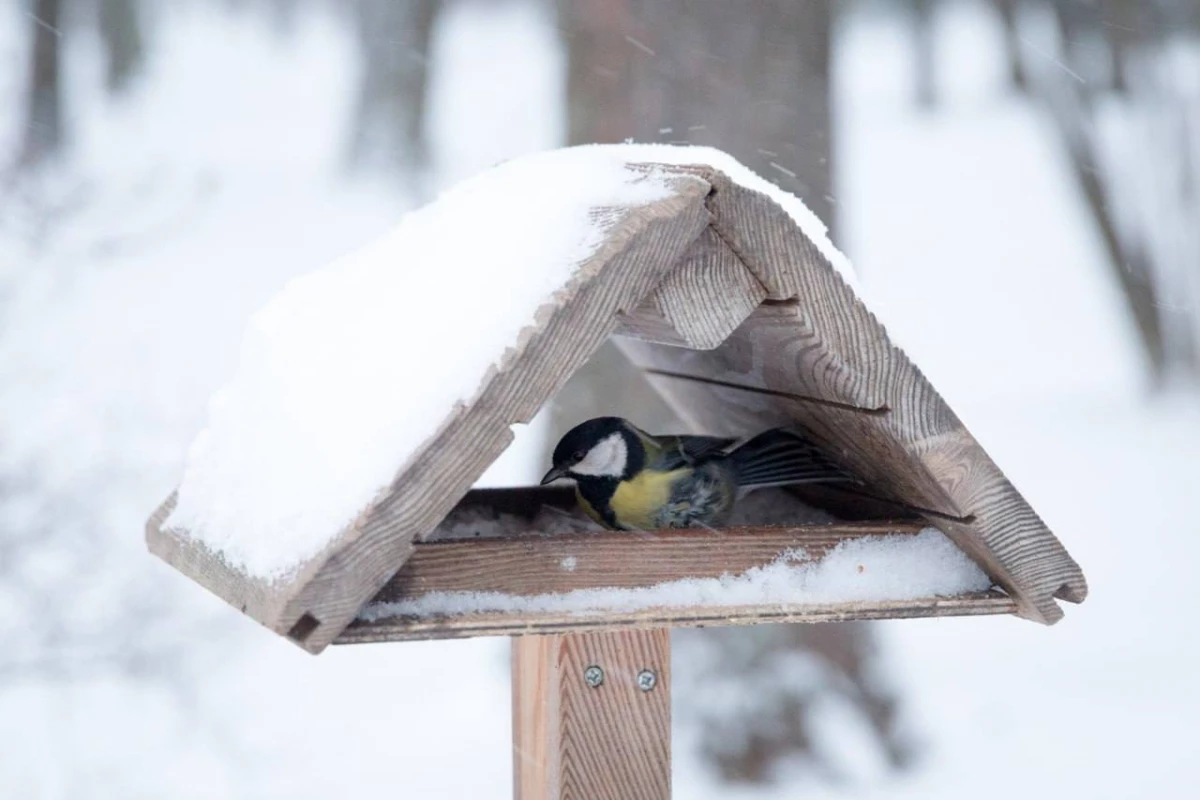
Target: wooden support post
592	716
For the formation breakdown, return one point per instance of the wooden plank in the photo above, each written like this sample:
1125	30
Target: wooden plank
819	358
592	716
779	348
862	440
403	629
324	595
530	565
987	518
700	302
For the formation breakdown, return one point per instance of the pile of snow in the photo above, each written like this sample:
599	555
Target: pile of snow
347	371
743	176
870	569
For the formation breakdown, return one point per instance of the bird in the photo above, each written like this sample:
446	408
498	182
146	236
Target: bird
627	479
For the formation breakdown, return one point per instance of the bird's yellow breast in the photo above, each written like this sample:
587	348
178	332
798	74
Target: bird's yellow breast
637	501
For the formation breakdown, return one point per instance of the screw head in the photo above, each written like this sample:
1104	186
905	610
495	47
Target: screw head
593	676
647	680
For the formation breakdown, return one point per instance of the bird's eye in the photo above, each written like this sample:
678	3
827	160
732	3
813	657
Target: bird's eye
578	455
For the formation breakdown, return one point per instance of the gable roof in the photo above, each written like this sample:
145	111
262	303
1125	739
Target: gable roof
731	298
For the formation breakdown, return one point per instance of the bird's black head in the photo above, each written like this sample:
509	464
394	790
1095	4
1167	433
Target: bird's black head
605	447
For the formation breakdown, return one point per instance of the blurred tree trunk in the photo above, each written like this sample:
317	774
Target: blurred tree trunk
923	46
43	133
1012	43
121	32
394	37
751	79
1154	273
1120	22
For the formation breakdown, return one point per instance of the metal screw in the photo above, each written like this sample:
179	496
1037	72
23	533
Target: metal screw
594	676
647	680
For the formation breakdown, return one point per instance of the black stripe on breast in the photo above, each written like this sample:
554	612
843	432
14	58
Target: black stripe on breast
597	493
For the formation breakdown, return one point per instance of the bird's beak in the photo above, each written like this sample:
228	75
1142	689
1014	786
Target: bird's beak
554	474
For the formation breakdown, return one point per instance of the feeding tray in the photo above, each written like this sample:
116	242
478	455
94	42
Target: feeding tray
493	569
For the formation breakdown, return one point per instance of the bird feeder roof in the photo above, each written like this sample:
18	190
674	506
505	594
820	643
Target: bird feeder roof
359	418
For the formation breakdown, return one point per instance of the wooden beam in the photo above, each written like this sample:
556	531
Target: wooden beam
816	356
592	716
408	629
934	466
314	605
700	302
530	565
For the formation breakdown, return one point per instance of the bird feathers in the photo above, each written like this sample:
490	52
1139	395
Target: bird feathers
627	478
779	457
639	501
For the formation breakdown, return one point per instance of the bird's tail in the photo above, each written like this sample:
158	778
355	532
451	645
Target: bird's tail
780	457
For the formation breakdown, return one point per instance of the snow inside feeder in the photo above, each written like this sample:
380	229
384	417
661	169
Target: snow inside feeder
371	394
874	569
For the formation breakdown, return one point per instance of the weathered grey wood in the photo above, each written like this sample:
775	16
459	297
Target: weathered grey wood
403	629
948	474
576	741
208	568
810	355
531	564
700	302
824	362
862	440
325	594
528	564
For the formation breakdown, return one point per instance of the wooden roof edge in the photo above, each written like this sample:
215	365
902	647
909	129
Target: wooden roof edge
315	603
1032	564
836	352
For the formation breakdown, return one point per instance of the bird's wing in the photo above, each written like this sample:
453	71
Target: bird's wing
687	451
779	457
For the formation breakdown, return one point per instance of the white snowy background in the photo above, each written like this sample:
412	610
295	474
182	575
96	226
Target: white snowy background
185	204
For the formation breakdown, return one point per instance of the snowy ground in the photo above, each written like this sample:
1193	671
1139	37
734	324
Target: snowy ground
963	222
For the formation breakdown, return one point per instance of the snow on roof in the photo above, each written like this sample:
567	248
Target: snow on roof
347	371
870	569
816	230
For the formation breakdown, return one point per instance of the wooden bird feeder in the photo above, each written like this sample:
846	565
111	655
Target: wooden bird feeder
741	323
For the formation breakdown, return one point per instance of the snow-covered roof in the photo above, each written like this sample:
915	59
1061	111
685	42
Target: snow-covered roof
372	393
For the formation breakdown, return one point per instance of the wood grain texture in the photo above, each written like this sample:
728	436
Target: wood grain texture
947	474
404	629
700	302
529	565
210	570
713	261
861	442
819	359
641	245
573	741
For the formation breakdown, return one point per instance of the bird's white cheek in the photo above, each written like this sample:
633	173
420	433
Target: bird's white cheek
606	459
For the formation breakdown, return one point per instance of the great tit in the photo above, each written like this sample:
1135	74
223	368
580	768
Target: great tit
627	479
